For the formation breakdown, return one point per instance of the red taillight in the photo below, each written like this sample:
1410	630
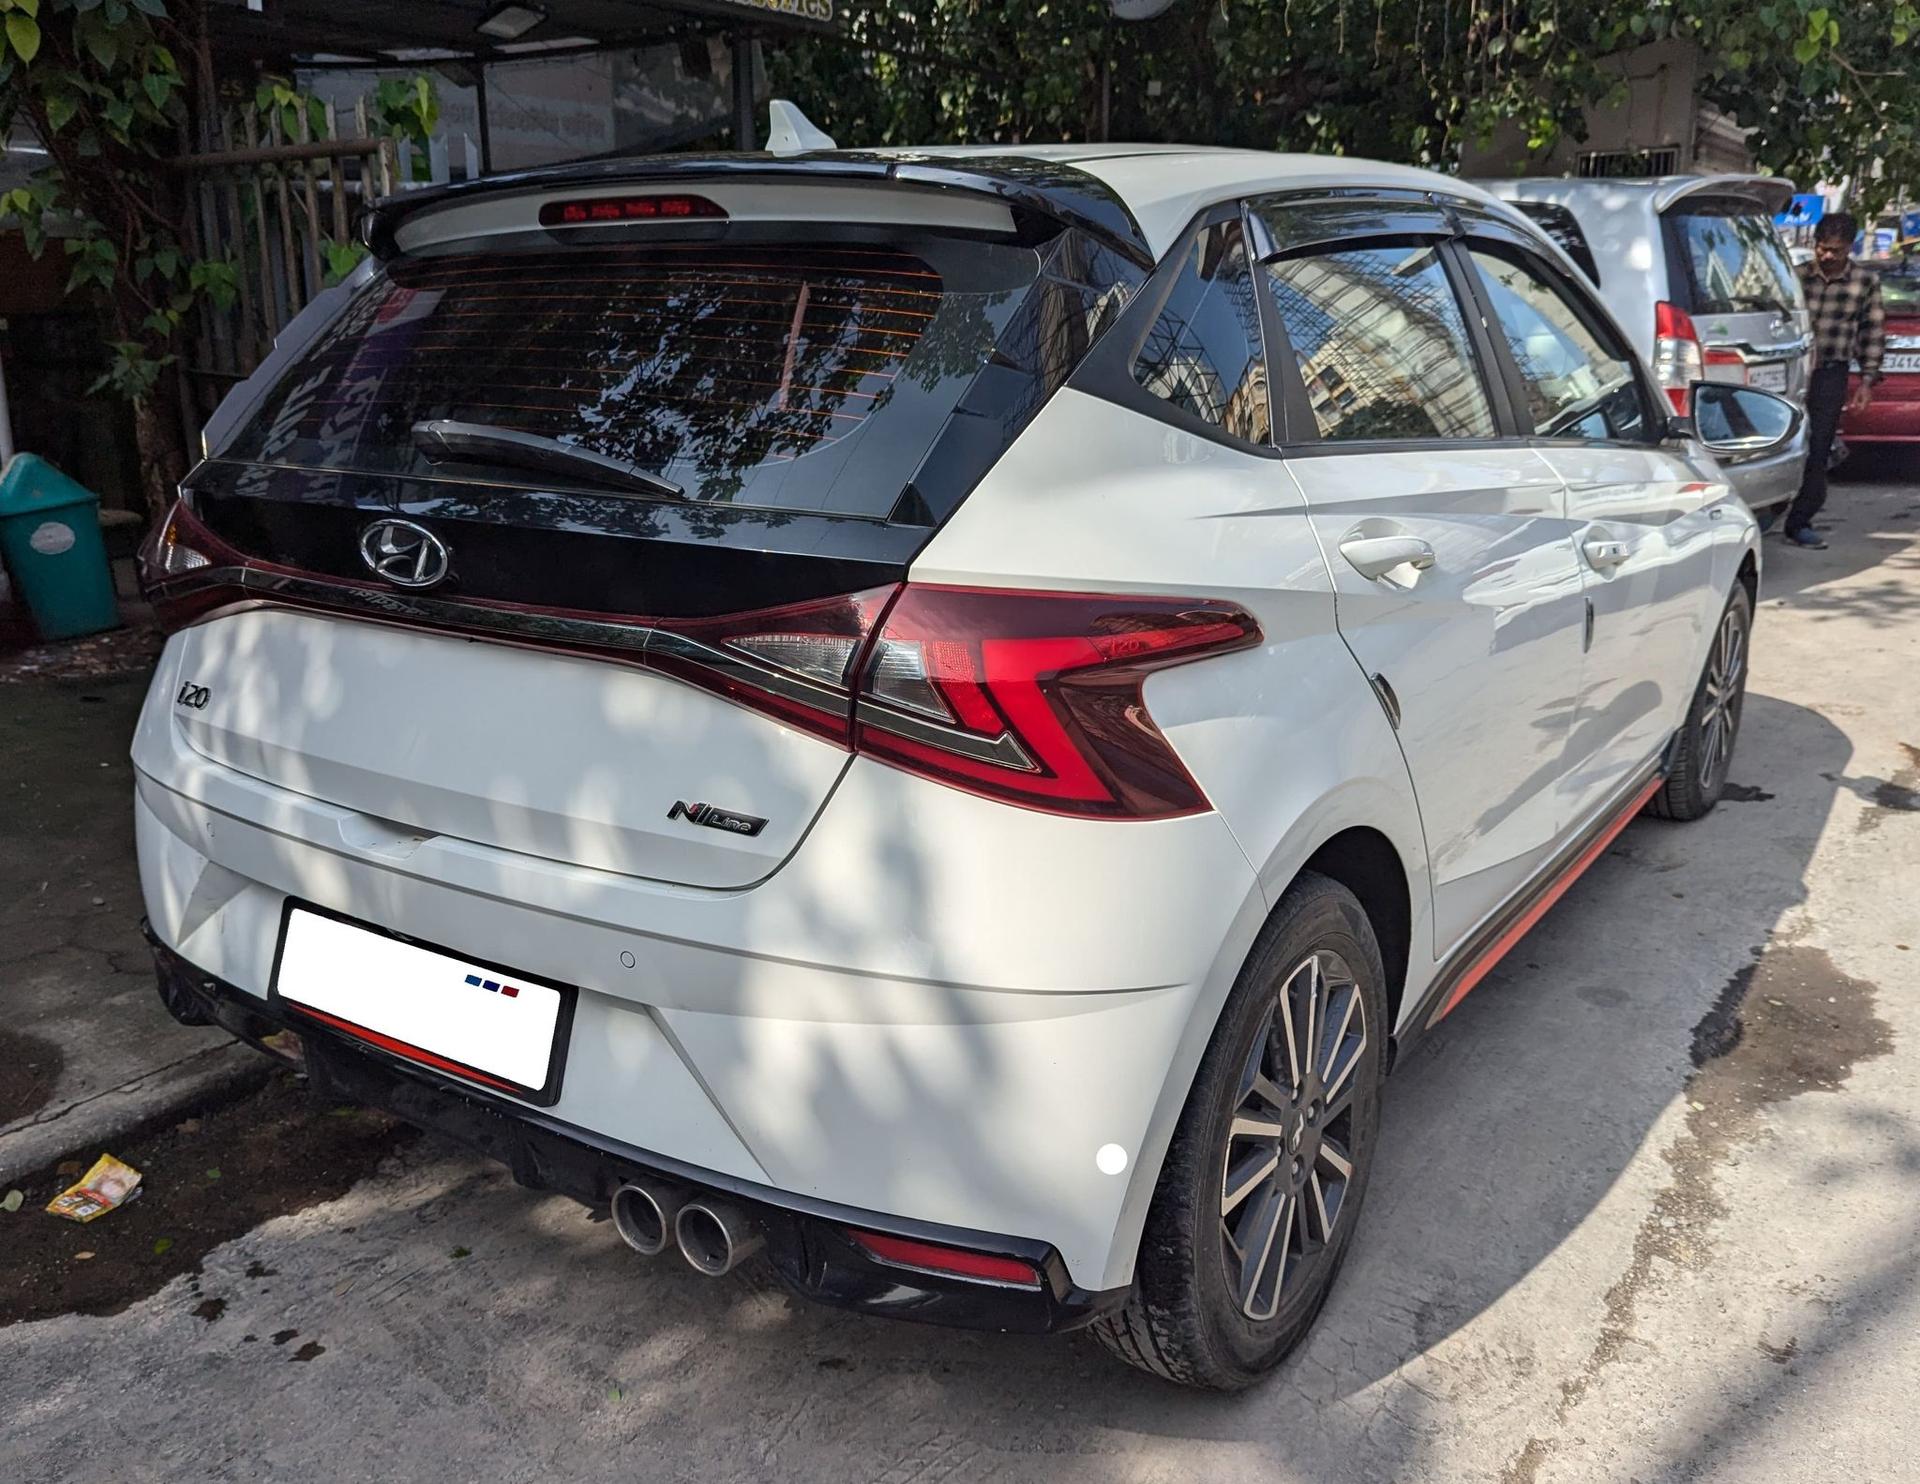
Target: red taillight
795	663
606	210
180	566
1677	361
1035	698
958	1262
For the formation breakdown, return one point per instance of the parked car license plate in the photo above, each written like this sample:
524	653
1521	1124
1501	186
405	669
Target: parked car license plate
1902	362
469	1020
1767	378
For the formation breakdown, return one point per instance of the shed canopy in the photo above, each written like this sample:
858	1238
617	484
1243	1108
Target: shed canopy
388	31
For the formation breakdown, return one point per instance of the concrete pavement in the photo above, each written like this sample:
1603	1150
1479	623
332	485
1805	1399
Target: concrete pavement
86	1051
1645	1211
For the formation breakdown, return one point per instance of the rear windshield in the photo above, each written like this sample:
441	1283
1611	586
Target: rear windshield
1734	259
803	375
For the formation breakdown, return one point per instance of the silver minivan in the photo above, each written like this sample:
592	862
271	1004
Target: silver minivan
1696	275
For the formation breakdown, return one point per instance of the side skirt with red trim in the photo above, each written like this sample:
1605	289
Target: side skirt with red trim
1475	959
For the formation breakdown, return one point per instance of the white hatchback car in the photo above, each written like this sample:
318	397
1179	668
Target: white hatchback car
943	713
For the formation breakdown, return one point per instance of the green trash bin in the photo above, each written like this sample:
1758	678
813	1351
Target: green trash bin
50	537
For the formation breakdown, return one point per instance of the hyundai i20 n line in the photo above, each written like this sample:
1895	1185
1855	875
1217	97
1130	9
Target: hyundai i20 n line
939	715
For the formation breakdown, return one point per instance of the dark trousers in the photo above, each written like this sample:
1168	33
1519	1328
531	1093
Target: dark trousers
1826	400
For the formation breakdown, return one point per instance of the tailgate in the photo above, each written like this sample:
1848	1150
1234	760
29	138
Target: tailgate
574	759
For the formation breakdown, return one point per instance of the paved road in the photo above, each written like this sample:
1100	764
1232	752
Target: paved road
1646	1211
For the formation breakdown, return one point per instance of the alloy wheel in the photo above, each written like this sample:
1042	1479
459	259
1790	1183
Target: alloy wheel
1289	1155
1726	670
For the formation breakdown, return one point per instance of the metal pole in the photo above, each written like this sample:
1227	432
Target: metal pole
6	420
480	108
744	136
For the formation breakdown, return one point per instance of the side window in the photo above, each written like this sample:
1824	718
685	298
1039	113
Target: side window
1381	343
1577	386
1204	352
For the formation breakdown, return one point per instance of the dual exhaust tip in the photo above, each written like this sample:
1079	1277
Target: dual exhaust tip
715	1235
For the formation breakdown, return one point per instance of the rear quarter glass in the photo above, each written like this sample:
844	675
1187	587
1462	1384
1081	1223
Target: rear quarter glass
764	370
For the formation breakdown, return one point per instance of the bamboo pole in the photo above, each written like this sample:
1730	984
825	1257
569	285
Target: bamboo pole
269	298
289	254
339	177
310	239
246	335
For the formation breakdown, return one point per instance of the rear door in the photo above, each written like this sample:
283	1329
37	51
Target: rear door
665	473
1732	274
1399	441
1643	519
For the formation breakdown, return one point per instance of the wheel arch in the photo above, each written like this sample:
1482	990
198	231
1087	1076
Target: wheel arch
1351	838
1364	860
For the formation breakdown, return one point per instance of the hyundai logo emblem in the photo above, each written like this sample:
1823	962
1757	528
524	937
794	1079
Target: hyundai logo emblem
404	553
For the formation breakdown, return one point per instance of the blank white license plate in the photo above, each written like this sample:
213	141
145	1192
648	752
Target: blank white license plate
469	1020
1767	378
1903	362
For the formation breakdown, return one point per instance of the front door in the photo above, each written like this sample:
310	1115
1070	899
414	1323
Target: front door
1643	520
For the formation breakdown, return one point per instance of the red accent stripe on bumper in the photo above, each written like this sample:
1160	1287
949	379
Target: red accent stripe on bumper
404	1049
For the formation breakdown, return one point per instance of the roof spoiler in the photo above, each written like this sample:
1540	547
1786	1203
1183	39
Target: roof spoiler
1057	194
1769	192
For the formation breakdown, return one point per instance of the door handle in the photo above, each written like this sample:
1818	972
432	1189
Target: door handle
1604	555
1375	556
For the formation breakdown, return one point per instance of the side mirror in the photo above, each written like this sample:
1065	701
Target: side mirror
1738	423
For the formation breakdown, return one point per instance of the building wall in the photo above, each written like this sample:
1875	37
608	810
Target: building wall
1658	111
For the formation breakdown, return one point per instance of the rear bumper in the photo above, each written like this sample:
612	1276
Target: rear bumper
807	1240
1888	419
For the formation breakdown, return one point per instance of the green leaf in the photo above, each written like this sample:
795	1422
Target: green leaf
1805	50
101	41
31	7
162	1246
23	32
460	1252
60	108
11	1202
214	1173
167	260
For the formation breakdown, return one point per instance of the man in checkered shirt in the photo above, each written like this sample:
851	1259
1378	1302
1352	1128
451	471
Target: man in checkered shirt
1849	325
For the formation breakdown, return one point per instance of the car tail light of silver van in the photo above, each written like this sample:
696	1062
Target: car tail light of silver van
1677	359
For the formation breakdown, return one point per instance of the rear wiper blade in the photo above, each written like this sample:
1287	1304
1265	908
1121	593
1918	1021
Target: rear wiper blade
441	440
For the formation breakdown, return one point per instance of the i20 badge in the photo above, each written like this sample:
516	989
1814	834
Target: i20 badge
194	697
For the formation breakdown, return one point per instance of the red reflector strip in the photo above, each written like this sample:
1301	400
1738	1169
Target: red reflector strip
954	1262
407	1051
601	210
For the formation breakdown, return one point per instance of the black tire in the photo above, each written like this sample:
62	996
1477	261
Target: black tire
1703	752
1187	1318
